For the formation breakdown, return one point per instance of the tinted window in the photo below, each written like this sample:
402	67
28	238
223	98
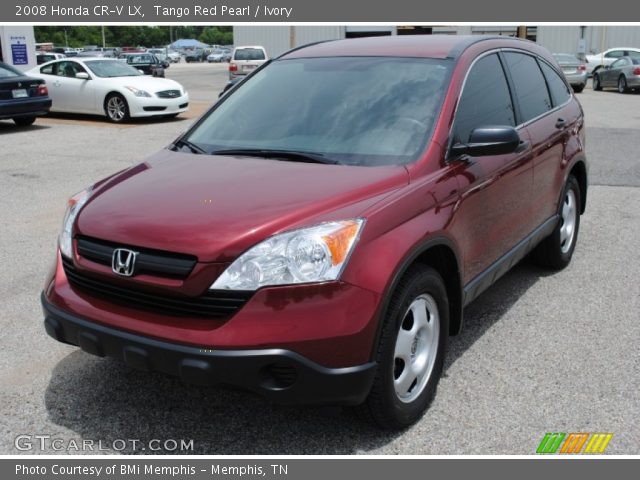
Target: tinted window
249	54
530	86
485	99
614	54
355	110
623	62
634	54
6	71
566	58
558	88
69	69
48	69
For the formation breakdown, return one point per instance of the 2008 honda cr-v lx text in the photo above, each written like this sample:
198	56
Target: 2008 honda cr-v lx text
315	236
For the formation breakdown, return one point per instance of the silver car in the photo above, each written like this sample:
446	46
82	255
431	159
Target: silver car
575	70
623	74
246	59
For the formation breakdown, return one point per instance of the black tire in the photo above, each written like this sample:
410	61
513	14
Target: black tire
622	84
24	121
110	113
383	406
578	88
553	252
597	86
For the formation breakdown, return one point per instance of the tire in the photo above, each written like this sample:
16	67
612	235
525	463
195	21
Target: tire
24	121
597	86
394	403
116	108
556	250
622	84
578	88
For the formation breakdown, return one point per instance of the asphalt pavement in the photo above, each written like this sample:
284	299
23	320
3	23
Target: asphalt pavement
540	352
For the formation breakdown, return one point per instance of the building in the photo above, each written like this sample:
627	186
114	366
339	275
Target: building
566	39
18	46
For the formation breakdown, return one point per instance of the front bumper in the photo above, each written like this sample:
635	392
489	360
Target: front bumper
280	375
148	107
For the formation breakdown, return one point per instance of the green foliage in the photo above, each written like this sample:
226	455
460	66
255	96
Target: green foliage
131	36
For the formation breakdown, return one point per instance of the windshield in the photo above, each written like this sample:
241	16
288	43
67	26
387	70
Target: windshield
353	110
562	57
111	69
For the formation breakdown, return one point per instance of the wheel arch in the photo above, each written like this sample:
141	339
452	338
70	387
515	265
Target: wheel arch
441	255
579	170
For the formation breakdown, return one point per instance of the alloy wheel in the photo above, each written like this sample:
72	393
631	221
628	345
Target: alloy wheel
568	219
116	109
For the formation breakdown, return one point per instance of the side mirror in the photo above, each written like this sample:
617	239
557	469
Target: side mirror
607	67
83	76
485	141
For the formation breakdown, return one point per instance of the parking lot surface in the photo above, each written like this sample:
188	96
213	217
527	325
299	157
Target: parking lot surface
540	352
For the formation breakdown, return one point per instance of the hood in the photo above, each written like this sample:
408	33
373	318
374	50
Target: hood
216	207
148	83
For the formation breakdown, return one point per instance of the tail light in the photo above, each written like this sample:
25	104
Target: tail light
233	67
43	91
582	68
636	71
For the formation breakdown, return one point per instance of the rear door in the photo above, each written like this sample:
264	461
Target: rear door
495	190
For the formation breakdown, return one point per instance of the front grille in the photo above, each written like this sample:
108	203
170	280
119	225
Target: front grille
219	304
168	94
149	261
154	109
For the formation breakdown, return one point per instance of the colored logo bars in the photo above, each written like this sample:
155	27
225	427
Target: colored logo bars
593	443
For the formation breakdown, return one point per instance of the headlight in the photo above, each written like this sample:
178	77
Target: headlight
307	255
74	205
137	92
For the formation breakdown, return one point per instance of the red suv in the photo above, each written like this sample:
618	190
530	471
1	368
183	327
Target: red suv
315	236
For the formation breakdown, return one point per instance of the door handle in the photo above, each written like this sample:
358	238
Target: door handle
561	123
524	145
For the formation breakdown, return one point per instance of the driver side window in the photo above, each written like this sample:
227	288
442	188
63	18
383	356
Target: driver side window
485	100
69	69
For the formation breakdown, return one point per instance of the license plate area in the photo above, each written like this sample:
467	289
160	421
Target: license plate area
19	93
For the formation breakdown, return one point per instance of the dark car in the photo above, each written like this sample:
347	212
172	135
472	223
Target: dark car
197	55
316	235
22	98
623	75
147	63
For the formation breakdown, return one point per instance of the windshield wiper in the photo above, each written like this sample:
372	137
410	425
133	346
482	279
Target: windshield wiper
191	146
291	155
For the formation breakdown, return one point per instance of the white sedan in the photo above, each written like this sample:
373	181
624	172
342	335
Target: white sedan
602	59
104	86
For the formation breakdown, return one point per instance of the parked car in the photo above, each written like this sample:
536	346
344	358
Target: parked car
196	55
596	61
44	57
217	56
22	98
574	70
174	56
110	87
315	236
246	59
623	74
146	63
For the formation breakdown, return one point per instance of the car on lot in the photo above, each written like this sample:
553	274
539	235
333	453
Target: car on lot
217	56
196	55
44	57
574	70
315	236
246	59
623	75
598	60
174	56
110	87
147	63
22	98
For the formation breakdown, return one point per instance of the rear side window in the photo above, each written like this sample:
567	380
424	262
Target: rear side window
530	85
485	100
558	88
249	54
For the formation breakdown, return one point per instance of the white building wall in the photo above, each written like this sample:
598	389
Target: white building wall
278	39
18	35
597	38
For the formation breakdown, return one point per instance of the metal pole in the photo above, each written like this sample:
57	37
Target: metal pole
104	44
